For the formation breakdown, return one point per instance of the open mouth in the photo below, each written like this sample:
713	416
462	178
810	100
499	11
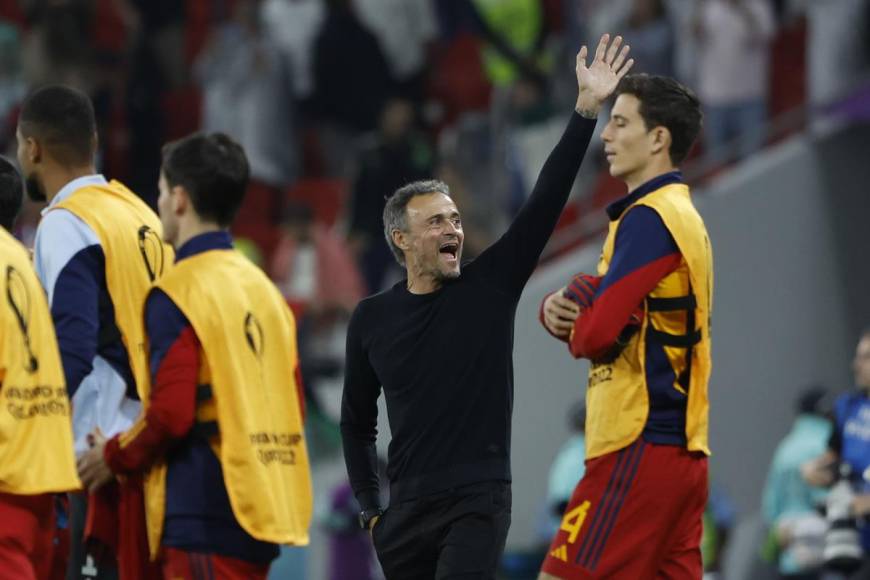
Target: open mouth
449	251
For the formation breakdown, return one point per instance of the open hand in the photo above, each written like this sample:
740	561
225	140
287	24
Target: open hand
598	81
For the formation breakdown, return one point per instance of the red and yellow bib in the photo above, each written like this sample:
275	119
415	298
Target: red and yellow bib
678	316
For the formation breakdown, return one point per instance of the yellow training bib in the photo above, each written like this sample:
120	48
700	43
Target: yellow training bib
36	441
248	341
678	317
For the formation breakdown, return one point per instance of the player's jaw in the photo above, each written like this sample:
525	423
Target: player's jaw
449	255
441	256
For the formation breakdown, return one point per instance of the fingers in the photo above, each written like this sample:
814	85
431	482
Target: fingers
613	51
560	320
602	47
581	56
620	58
558	325
566	308
624	70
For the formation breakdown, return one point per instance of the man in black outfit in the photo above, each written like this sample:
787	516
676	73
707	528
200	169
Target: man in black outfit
440	345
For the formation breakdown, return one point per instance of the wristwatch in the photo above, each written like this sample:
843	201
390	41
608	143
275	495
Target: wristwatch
366	516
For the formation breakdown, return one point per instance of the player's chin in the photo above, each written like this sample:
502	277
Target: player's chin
449	272
615	170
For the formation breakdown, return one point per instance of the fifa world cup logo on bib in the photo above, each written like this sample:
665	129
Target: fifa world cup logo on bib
254	335
18	297
151	248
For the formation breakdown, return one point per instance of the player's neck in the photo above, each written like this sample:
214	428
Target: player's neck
422	284
55	180
189	229
648	172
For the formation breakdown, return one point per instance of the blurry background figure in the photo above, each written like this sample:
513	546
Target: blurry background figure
568	467
790	504
406	31
398	155
352	82
719	519
650	32
315	272
733	56
57	41
313	267
293	25
515	33
12	86
247	88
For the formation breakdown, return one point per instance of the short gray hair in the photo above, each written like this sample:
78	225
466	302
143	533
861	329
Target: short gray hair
395	212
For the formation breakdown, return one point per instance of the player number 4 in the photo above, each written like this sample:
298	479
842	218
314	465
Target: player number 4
573	521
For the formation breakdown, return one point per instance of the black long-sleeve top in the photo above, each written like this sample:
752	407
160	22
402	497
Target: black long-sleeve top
444	359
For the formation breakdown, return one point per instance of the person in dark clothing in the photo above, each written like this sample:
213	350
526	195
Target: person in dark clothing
351	76
399	156
440	345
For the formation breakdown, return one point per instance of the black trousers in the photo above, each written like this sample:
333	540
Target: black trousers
456	533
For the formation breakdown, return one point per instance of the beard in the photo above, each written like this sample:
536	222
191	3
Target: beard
34	188
442	276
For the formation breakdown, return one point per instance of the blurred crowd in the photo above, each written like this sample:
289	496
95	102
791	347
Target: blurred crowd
816	502
339	102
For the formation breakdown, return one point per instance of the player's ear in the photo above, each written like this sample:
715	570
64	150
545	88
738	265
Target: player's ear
181	203
661	139
401	240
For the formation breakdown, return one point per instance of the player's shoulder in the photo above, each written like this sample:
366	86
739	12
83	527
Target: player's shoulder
641	216
377	306
61	228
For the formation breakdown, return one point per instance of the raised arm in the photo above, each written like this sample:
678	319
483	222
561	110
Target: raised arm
512	259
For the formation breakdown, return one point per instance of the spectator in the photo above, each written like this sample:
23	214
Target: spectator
398	156
351	84
406	30
293	26
838	52
12	88
719	518
313	268
850	445
248	94
315	272
650	33
733	58
589	19
515	33
57	47
789	504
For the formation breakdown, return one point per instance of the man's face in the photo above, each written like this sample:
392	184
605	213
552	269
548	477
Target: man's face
628	144
165	207
434	236
27	151
861	363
